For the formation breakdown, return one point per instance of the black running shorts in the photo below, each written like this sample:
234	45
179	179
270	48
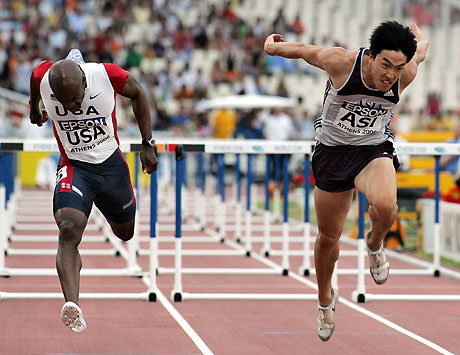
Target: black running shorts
336	167
108	185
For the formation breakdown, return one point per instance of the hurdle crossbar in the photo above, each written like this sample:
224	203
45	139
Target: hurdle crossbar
249	147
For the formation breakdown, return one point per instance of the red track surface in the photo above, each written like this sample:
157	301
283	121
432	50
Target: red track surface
225	326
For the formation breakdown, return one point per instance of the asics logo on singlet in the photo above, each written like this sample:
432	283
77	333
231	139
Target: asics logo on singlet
72	125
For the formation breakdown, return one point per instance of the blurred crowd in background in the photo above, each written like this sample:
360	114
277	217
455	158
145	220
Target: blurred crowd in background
183	52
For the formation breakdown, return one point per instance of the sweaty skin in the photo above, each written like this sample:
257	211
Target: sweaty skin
68	83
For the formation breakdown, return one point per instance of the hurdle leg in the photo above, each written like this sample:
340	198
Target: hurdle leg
176	292
254	198
305	268
266	246
359	295
248	243
238	210
276	192
201	200
221	191
153	242
437	226
285	257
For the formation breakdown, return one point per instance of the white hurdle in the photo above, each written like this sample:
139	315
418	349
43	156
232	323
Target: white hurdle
250	148
360	295
178	294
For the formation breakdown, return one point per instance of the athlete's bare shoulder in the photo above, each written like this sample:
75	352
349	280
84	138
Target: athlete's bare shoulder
337	59
338	63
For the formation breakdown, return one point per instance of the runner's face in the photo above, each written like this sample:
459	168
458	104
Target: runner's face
387	68
72	97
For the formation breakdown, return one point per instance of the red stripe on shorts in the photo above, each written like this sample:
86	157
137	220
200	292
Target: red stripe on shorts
65	185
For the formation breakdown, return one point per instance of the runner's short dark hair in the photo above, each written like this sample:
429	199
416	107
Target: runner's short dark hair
391	35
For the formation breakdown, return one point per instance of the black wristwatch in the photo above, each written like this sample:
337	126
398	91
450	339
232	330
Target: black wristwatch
148	142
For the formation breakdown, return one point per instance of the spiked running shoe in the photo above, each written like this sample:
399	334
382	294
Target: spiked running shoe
379	265
326	323
72	317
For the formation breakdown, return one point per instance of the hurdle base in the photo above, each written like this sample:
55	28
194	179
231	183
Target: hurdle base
58	295
358	297
436	273
401	297
83	272
5	272
265	251
250	296
152	297
304	271
285	272
248	253
177	297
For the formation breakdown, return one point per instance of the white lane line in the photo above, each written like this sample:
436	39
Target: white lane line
180	320
361	309
396	327
352	305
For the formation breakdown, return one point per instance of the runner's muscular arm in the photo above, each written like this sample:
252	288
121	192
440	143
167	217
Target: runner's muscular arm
275	45
336	61
410	70
134	91
36	115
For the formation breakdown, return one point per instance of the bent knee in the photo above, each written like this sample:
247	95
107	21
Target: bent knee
125	235
70	231
387	208
125	232
326	240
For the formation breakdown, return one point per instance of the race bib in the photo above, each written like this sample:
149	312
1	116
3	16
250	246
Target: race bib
360	118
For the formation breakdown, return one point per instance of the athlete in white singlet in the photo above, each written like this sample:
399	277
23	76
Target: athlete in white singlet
80	99
354	142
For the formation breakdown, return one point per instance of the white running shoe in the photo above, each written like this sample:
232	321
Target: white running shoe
72	317
326	323
76	56
379	265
